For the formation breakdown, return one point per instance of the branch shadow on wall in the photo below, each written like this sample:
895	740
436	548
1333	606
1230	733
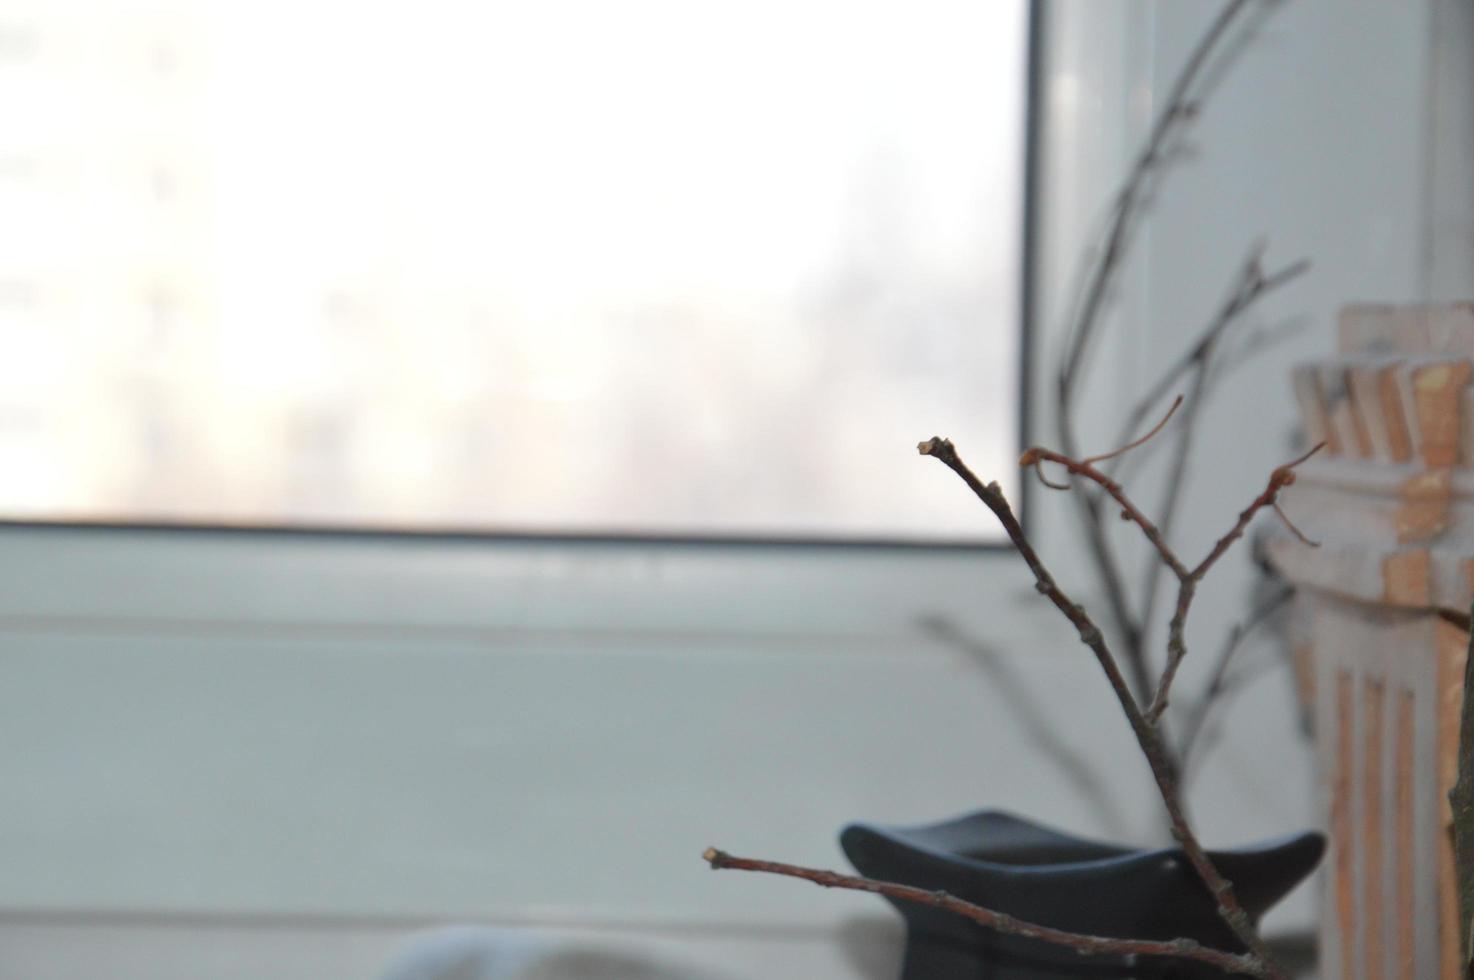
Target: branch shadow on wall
1035	722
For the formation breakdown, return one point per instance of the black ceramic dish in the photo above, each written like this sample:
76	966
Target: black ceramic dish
1043	876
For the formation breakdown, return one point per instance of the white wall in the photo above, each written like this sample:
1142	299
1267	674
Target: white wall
278	754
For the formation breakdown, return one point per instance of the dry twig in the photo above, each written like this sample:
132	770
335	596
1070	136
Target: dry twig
1086	945
1251	286
1176	404
1143	727
1257	961
1281	477
1181	106
1219	683
1179	109
1187	578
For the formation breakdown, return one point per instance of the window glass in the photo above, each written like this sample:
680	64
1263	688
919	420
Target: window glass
688	267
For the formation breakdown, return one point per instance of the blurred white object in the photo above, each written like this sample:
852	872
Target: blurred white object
483	953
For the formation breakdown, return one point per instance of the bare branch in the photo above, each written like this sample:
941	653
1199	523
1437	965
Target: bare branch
992	495
1176	403
1187	579
1086	945
1036	457
1285	519
1176	480
1178	110
1113	584
1037	454
1281	477
1090	298
1249	287
1039	472
1218	683
1147	736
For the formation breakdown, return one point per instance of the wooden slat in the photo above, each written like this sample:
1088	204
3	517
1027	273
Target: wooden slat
1406	578
1404	838
1344	868
1350	433
1423	513
1394	418
1452	646
1438	391
1374	919
1314	412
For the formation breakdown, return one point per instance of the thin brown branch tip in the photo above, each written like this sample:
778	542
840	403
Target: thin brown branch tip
1176	404
935	446
1236	964
1293	529
1039	472
1036	456
1283	476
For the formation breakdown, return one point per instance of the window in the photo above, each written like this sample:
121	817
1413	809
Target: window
657	267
